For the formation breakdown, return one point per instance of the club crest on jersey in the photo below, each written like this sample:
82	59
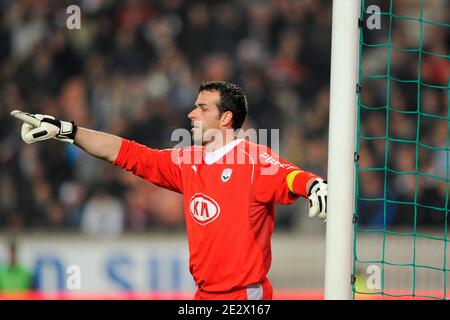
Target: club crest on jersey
203	209
226	174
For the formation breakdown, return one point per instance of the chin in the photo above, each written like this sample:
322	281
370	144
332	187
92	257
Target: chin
197	138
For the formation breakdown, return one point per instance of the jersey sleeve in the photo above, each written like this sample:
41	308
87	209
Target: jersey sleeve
161	167
270	185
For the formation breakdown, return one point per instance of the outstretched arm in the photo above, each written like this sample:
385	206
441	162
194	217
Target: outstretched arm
99	144
39	127
161	167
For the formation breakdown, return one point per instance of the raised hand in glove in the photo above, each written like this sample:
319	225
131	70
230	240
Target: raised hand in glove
39	127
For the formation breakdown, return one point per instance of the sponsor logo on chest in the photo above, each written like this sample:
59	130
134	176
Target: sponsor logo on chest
203	209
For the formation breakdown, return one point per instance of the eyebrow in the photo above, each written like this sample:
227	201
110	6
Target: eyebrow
200	105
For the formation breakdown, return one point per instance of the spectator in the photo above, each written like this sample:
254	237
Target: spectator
103	215
14	277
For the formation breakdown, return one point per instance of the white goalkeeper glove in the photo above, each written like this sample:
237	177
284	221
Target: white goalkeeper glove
39	127
317	196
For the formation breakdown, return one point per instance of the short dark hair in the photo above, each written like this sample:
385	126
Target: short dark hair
232	98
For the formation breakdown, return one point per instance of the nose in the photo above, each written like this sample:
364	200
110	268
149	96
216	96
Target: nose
191	115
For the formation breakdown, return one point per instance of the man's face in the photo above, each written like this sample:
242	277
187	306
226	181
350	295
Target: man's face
205	118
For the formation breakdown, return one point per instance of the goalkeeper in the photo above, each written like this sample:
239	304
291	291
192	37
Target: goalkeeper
229	192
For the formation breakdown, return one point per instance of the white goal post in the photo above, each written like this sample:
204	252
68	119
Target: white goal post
341	148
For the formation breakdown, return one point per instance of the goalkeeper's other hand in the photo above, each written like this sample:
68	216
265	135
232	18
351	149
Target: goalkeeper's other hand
317	196
38	127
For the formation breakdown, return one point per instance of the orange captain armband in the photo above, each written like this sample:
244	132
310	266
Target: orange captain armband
297	180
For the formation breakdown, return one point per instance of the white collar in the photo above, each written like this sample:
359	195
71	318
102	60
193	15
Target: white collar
213	156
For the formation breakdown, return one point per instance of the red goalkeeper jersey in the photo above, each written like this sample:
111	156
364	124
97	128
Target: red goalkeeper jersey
229	198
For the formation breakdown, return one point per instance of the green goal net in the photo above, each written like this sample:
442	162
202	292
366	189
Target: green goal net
401	244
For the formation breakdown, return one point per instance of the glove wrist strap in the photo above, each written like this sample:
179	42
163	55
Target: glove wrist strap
67	132
68	129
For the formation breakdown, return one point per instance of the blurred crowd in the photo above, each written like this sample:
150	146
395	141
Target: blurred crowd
133	70
404	148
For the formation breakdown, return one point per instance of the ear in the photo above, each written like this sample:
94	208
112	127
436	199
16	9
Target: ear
227	119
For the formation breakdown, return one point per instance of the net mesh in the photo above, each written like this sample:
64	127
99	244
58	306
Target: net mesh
402	170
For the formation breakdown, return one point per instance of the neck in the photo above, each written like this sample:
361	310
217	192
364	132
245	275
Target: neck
227	137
